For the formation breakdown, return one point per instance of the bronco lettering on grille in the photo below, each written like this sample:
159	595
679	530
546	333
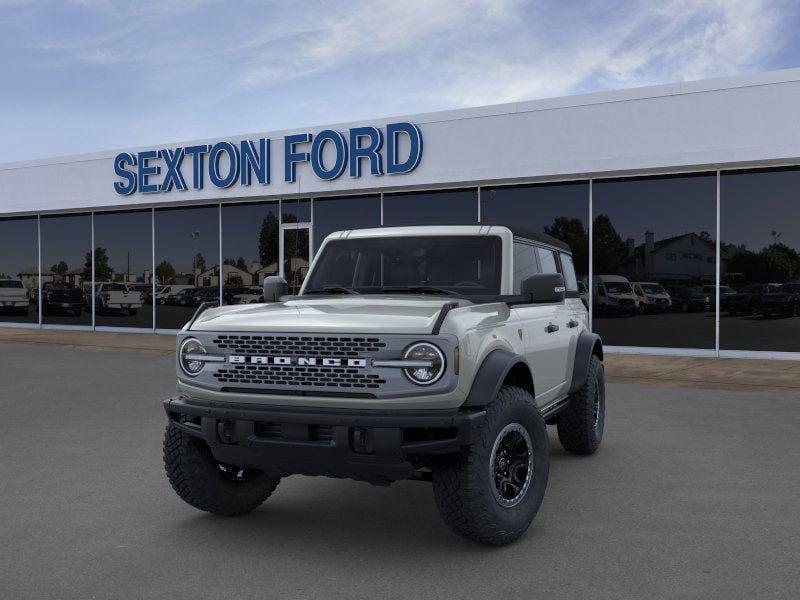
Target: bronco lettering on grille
300	361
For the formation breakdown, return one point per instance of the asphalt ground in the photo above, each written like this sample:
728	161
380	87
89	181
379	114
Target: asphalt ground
694	494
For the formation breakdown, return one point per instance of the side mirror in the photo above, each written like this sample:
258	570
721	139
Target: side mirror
274	287
544	288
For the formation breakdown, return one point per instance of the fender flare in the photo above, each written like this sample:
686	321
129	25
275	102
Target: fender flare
490	376
588	344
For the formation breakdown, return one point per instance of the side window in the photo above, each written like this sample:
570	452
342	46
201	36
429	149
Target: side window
547	260
525	264
570	279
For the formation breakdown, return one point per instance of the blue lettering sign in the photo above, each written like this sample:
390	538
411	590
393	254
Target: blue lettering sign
226	164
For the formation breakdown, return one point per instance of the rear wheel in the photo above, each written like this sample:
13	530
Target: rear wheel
491	491
205	483
581	423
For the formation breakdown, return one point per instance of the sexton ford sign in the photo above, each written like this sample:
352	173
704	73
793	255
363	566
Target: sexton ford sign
225	164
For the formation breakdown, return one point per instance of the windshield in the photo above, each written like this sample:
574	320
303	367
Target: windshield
10	283
466	265
652	288
790	288
616	287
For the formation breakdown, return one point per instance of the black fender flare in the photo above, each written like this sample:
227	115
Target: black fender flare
490	376
588	344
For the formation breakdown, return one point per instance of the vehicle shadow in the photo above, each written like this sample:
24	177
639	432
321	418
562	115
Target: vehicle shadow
360	519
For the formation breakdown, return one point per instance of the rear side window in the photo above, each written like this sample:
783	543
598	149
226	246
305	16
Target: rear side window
570	279
526	264
547	260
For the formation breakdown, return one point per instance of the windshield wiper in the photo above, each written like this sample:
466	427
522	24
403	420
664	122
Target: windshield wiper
332	289
420	289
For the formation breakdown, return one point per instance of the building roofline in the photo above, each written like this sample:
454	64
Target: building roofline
545	104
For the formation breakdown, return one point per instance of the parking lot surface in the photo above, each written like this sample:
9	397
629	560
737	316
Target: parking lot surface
694	494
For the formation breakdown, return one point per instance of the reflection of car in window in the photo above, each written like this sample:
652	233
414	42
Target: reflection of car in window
114	298
747	300
250	295
62	298
613	295
14	298
409	353
689	299
782	301
652	297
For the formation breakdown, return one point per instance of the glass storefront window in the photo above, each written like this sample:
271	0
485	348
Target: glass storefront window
431	208
655	261
296	210
760	260
123	266
250	242
19	270
187	262
336	214
67	269
557	209
296	256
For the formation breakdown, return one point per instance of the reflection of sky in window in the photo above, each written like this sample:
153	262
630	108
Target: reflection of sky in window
667	206
174	242
67	239
19	246
335	214
241	228
456	206
122	235
536	207
756	204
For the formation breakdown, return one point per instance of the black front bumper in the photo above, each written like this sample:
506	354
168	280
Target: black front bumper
375	446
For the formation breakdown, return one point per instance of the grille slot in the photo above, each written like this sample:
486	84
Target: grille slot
299	345
268	375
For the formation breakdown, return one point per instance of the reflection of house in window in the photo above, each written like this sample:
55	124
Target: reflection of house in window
672	260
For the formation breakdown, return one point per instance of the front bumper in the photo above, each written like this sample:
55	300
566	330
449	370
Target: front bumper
375	446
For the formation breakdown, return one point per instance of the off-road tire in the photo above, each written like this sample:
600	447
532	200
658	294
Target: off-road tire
463	484
197	478
580	429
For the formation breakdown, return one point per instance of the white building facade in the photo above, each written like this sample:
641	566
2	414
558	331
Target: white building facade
691	184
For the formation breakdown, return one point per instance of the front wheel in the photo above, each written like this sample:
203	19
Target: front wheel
491	491
581	423
205	483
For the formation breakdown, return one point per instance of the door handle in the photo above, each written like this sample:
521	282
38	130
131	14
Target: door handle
551	328
572	324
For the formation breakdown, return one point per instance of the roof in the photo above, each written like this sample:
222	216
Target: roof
483	228
537	236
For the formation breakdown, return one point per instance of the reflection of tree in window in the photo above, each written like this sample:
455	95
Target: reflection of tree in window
165	273
574	234
610	250
268	240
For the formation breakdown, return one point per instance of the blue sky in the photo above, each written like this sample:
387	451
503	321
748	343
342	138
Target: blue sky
88	75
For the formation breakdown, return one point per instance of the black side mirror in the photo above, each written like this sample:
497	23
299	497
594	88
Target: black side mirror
544	288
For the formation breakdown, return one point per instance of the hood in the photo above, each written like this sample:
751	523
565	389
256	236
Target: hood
345	314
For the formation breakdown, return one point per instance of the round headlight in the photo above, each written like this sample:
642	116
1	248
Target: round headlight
189	347
431	363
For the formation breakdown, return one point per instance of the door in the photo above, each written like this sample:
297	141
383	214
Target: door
296	252
546	343
547	335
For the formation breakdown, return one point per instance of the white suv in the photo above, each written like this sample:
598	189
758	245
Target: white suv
435	353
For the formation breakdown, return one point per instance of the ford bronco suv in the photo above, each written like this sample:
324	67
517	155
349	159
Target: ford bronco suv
434	353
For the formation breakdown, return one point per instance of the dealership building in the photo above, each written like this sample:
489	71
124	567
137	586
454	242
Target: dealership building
680	202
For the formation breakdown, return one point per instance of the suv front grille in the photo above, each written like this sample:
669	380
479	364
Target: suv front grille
293	345
269	375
